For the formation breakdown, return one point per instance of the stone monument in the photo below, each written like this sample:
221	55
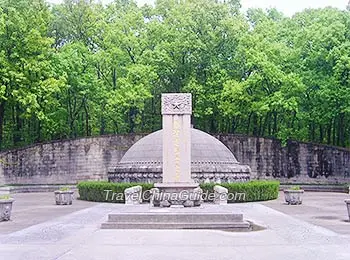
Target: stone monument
177	187
176	114
178	191
187	156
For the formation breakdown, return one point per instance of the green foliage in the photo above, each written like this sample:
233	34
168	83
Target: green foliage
295	188
97	191
247	191
64	189
4	197
81	68
254	190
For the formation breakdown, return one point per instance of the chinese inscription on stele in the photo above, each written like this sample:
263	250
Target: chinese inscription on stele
176	140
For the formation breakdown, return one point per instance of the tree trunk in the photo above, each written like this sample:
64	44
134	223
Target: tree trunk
334	128
248	125
266	121
233	126
341	139
87	128
255	125
132	113
38	133
2	114
260	129
321	134
329	133
312	132
114	78
103	124
274	131
18	122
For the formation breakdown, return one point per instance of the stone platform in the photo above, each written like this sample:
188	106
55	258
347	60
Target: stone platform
207	216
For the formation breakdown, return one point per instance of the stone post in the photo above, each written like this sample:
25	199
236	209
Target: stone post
176	114
176	111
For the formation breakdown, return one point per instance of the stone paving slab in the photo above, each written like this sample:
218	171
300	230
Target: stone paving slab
77	236
320	208
34	208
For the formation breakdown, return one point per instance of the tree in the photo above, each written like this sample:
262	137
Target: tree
26	78
81	68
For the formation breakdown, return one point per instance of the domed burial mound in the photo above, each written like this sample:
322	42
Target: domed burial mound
211	161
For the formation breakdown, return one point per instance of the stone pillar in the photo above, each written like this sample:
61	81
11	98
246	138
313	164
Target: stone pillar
176	111
177	187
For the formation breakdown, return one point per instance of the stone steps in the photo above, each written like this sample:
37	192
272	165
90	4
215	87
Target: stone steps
176	220
174	217
233	226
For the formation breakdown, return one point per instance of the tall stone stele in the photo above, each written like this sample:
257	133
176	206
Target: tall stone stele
176	113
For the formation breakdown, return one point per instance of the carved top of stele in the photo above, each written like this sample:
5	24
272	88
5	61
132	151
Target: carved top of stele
177	104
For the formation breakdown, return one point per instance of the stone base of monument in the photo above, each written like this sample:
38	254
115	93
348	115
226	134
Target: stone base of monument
207	216
171	194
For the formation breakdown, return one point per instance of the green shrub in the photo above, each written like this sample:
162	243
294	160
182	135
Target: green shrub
4	197
64	189
244	192
247	191
98	191
295	187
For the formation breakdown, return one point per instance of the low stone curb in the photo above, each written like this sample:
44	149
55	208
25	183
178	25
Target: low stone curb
33	188
318	188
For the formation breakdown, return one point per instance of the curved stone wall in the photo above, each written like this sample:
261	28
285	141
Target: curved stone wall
64	162
297	162
69	161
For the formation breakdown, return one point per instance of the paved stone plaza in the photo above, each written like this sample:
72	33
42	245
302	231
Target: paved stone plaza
318	229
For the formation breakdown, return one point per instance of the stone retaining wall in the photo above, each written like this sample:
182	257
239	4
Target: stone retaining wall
297	162
69	161
63	162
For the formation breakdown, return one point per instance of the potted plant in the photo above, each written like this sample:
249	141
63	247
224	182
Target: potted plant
5	207
293	195
64	196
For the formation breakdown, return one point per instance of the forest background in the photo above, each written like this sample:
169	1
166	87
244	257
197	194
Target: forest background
81	68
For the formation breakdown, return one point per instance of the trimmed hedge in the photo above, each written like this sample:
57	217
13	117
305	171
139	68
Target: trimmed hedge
97	190
247	191
242	191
